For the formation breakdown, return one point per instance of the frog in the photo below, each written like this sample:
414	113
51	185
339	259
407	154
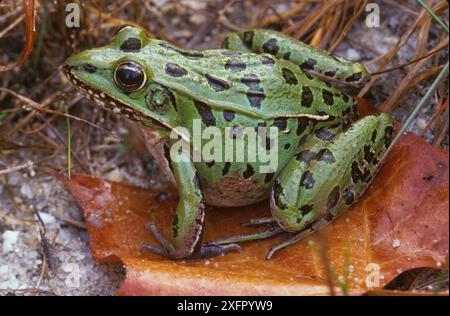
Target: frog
327	155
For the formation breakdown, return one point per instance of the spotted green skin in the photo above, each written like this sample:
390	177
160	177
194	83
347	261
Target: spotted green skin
327	157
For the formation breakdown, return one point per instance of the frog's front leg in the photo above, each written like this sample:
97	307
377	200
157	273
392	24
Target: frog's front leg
187	226
310	59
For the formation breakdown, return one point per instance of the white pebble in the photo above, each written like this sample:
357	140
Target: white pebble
47	218
421	123
9	239
396	243
26	190
353	54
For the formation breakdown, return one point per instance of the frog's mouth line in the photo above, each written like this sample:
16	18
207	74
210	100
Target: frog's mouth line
107	102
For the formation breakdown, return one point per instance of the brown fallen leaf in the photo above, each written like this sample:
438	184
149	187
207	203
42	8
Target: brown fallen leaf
400	223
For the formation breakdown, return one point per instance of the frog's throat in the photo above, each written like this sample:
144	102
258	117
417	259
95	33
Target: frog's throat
114	105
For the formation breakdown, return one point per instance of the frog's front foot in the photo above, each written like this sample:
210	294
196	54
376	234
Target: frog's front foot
165	248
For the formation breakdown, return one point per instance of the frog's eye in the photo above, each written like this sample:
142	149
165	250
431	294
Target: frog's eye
130	76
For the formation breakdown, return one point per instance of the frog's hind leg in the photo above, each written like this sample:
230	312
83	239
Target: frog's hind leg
328	176
310	59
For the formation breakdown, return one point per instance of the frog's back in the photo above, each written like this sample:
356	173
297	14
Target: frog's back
258	85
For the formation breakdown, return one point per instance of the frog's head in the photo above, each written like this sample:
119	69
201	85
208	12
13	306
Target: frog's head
119	77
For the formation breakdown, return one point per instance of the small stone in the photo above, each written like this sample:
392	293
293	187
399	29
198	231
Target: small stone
115	175
353	54
26	190
421	123
47	218
9	240
14	178
396	243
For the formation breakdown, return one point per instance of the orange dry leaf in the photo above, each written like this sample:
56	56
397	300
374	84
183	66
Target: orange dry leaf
400	223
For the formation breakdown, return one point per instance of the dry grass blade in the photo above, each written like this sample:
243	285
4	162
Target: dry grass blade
30	35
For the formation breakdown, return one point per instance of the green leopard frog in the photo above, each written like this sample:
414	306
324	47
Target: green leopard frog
325	154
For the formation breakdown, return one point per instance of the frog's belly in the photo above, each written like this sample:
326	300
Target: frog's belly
232	190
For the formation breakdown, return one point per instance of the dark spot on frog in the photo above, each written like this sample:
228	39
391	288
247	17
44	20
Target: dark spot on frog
326	155
267	142
217	84
333	198
441	165
330	74
345	97
235	66
308	65
287	55
327	97
226	168
132	44
428	178
306	156
277	190
196	182
287	146
324	134
307	180
289	76
349	198
89	68
248	172
388	131
228	115
209	164
356	172
248	38
355	77
281	123
175	226
374	136
368	154
167	156
189	55
307	97
304	209
252	81
366	177
269	177
161	197
175	71
205	113
266	60
256	98
271	46
302	124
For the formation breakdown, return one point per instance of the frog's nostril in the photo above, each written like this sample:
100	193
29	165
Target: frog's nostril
89	67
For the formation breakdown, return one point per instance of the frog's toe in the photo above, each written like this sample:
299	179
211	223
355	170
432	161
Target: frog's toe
153	248
268	221
209	251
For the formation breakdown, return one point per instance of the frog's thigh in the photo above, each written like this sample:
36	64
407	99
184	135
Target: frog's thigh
327	176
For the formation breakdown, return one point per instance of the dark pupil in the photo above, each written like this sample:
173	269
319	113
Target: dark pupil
129	76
